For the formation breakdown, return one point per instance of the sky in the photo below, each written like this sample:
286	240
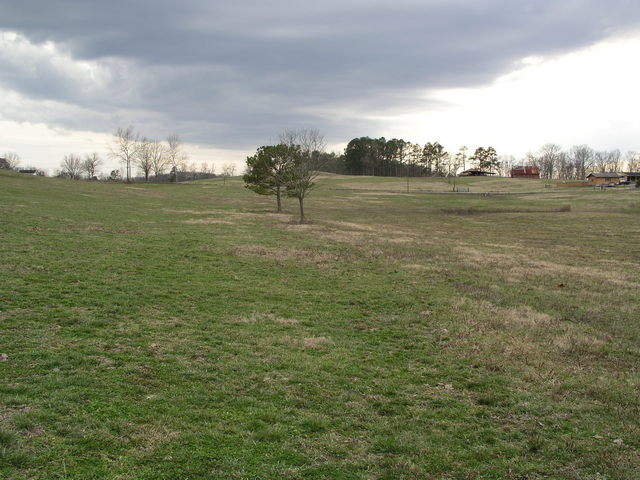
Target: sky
228	77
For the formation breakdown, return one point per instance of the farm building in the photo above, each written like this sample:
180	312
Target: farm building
631	177
603	178
475	173
522	171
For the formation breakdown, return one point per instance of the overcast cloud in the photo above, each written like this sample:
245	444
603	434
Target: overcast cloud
234	75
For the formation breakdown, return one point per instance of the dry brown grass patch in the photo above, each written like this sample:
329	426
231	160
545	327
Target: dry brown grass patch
102	228
307	342
266	317
314	342
152	436
521	267
207	221
286	254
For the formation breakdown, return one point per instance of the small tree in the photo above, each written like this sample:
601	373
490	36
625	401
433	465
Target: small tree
90	165
268	170
228	170
125	148
71	167
158	156
174	154
144	159
306	165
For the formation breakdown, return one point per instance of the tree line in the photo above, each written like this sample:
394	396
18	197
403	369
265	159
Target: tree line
152	159
399	158
576	163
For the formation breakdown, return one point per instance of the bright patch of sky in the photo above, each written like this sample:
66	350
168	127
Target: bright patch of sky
586	97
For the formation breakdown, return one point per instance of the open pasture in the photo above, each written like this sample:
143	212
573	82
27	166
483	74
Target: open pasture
186	331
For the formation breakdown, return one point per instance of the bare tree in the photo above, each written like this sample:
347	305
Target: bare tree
549	158
143	158
306	167
125	148
228	170
632	160
90	164
608	161
506	162
71	167
461	157
205	168
174	154
582	157
614	161
158	155
12	160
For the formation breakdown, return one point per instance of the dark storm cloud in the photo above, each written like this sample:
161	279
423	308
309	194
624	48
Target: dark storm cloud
235	74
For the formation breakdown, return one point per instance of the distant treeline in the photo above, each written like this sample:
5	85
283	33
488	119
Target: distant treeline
399	158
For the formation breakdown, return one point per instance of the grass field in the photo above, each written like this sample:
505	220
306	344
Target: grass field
187	332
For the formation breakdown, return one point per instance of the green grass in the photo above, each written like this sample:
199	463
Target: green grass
185	331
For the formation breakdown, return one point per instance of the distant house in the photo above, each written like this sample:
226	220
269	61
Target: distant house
631	177
475	173
30	171
603	178
522	171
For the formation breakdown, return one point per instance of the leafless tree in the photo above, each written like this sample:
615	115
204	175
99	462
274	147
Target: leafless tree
632	160
12	159
582	157
71	167
158	156
454	164
174	154
205	168
507	162
228	170
125	148
90	164
608	161
461	157
306	167
144	160
549	158
614	161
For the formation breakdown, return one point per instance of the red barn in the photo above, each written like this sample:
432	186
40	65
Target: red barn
525	172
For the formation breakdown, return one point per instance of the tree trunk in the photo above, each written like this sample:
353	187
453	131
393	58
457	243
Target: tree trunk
278	199
301	201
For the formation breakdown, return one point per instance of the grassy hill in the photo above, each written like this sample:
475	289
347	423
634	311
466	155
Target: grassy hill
186	331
